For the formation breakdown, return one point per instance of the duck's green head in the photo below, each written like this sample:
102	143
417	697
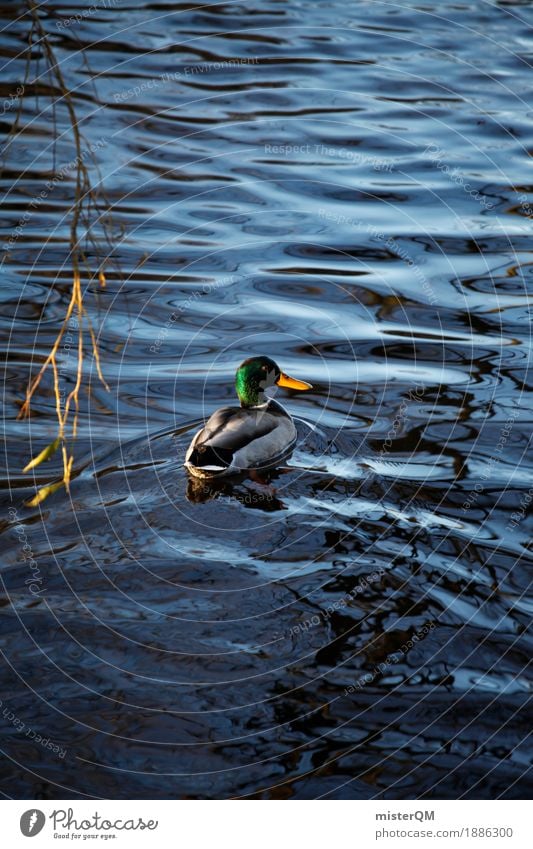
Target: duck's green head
257	374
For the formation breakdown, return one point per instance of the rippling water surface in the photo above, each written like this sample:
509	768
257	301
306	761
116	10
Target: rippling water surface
346	187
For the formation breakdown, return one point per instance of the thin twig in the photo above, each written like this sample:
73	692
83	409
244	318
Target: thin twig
85	198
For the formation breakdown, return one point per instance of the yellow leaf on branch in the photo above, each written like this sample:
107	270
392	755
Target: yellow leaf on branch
45	454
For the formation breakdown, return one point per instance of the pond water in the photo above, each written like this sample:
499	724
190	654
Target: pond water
346	188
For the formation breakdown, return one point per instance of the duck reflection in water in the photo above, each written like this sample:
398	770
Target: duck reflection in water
262	496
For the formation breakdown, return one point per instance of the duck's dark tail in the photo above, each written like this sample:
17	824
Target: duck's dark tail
211	459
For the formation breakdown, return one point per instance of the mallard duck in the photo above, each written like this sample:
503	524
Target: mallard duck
255	435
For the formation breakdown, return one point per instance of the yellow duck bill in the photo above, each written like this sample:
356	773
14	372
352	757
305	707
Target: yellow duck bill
292	383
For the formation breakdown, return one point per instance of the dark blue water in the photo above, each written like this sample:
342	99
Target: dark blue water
347	188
